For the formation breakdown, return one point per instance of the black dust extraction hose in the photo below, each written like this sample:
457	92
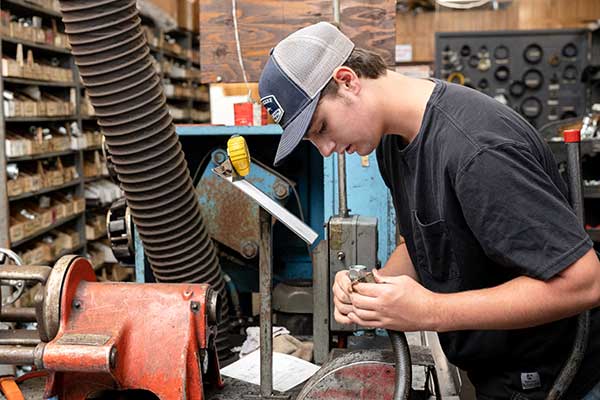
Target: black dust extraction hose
403	365
117	70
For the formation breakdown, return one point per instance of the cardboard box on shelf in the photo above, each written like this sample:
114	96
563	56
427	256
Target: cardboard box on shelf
93	167
11	68
188	12
58	208
14	187
16	145
45	215
72	239
78	205
17	229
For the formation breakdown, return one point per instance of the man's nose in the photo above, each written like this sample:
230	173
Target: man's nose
326	149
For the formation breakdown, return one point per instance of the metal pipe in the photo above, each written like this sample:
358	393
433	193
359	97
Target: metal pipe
569	370
36	273
336	11
19	337
342	192
17	355
18	314
266	313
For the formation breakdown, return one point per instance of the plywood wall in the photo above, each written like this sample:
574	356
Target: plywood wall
263	23
419	30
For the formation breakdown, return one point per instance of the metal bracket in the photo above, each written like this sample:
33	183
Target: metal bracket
226	171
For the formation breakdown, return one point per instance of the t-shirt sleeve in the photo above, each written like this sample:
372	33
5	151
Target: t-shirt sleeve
518	215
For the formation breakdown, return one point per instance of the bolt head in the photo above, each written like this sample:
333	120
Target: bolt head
249	249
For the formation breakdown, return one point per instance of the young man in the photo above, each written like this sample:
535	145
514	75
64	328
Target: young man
494	259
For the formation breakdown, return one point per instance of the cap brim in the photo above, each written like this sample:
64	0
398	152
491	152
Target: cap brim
295	131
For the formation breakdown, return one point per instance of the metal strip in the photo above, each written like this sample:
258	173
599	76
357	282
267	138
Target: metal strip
276	210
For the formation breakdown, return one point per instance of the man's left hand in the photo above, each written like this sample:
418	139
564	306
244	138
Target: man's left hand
394	302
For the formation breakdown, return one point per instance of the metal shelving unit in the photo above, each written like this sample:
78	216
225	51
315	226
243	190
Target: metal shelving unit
74	183
188	40
62	89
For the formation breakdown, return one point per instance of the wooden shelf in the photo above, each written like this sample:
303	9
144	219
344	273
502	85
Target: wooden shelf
41	119
45	190
46	229
23	81
96	178
35	45
41	156
34	7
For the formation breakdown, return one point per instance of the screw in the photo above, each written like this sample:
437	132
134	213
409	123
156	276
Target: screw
341	255
77	304
249	249
219	157
280	189
195	307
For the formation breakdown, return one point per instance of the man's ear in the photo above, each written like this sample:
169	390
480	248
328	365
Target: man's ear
347	79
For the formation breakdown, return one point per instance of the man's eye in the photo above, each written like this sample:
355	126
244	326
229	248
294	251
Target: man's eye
323	127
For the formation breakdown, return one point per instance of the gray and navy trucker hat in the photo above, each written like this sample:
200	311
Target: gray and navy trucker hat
299	67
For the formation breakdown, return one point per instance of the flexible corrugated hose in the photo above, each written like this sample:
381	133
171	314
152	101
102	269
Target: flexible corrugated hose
117	70
403	365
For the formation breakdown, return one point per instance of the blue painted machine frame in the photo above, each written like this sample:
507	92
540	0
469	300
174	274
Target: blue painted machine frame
316	180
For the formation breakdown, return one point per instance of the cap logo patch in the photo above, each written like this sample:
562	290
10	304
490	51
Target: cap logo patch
273	107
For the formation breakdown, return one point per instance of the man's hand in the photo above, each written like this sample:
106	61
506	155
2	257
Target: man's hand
398	303
341	297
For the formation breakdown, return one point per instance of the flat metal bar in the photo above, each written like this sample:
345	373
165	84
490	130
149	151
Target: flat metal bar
276	210
221	130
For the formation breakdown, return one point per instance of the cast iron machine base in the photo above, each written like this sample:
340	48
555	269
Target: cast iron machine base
113	336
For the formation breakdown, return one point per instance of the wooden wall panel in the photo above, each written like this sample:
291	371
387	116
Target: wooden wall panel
419	30
263	23
371	24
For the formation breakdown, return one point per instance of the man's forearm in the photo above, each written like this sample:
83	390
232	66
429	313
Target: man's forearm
522	302
399	263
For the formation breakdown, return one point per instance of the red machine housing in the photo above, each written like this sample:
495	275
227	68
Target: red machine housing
155	337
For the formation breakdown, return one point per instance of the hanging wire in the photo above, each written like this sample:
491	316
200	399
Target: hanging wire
239	47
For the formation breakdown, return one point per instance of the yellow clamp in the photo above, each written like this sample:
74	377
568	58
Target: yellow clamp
238	153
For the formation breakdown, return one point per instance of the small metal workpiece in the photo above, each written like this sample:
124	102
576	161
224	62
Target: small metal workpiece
360	274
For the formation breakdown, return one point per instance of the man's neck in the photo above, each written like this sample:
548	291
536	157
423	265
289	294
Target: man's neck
403	102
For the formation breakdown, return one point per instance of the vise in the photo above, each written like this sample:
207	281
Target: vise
94	337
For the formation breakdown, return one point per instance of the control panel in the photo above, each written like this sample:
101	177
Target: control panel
537	73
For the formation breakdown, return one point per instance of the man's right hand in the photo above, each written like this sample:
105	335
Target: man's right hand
341	297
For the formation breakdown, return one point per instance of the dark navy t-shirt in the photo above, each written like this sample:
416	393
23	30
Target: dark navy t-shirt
479	201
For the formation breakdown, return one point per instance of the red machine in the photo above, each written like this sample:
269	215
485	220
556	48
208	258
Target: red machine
113	336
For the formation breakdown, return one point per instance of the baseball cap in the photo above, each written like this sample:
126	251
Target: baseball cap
297	70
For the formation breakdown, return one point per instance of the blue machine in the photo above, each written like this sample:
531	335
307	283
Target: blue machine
315	181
